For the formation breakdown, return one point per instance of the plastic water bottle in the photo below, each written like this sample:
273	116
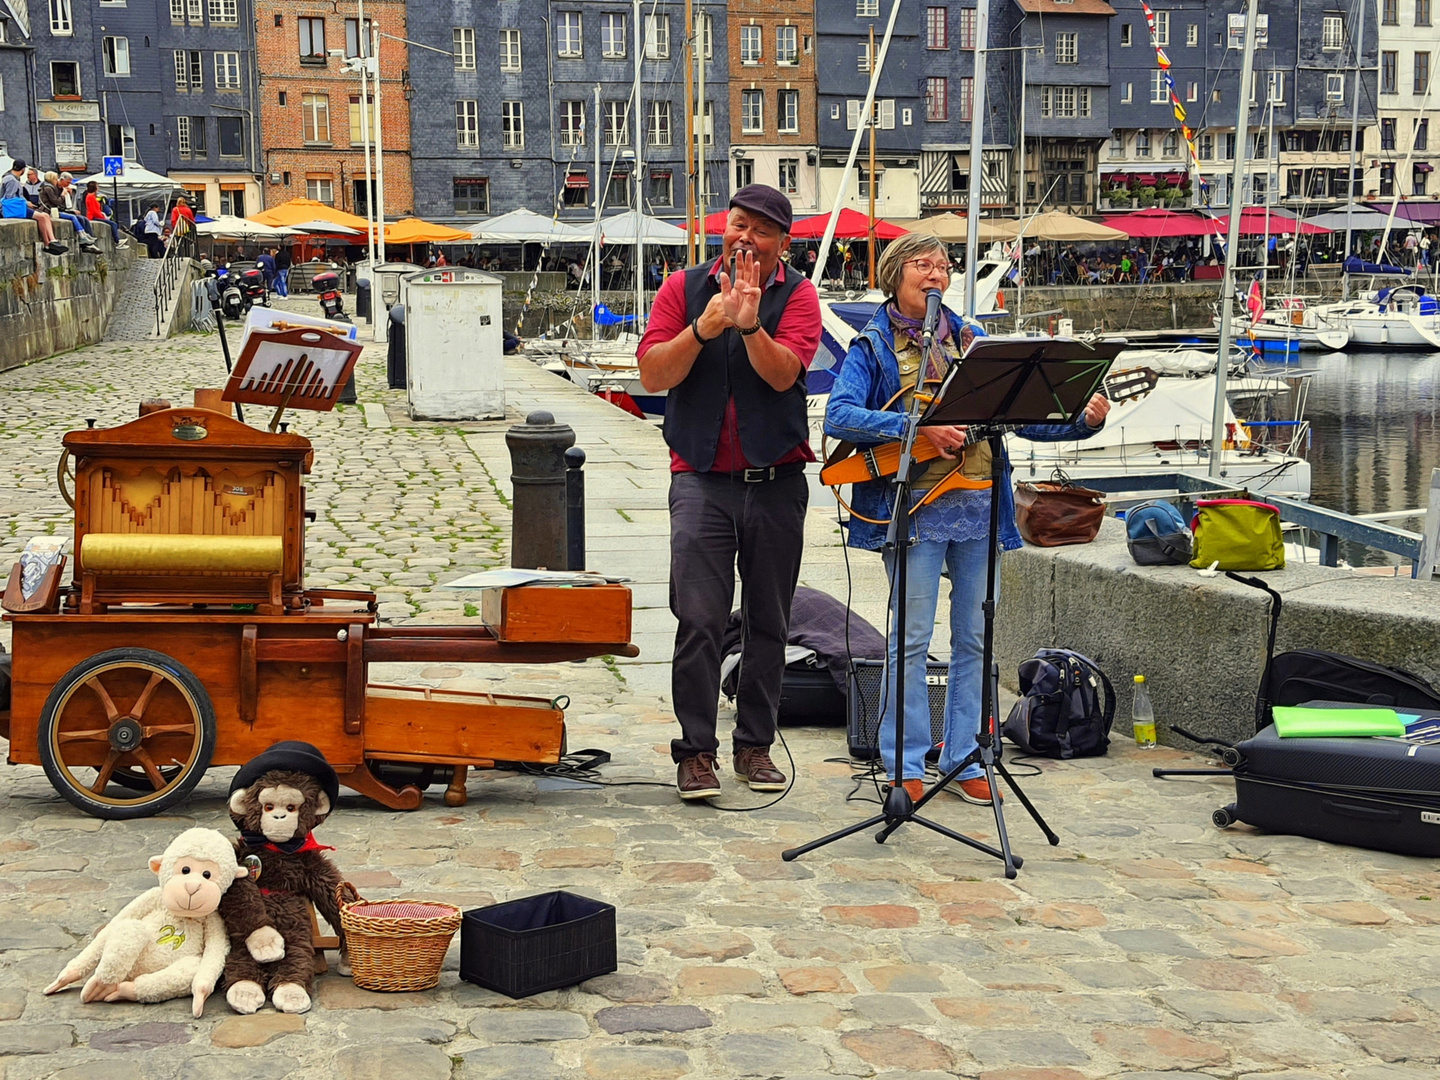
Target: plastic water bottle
1143	716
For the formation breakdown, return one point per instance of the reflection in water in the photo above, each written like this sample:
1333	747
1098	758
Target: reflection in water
1376	424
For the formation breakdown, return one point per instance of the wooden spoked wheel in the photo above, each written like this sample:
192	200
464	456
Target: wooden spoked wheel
126	733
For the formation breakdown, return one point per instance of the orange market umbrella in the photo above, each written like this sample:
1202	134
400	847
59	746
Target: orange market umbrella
412	230
851	225
307	210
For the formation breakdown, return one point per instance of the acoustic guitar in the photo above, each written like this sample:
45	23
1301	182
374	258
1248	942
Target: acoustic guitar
851	466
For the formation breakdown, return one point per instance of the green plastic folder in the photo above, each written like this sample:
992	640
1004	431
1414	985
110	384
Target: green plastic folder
1299	722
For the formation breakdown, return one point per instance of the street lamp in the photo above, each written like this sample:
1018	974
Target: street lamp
368	67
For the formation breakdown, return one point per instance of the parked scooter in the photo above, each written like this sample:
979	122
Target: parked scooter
252	284
327	291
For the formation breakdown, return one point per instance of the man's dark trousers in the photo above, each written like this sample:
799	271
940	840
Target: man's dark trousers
716	518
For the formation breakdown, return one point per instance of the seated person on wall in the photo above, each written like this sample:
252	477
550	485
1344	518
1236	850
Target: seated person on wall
15	203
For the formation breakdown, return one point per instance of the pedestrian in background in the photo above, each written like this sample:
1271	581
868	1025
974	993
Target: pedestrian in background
95	211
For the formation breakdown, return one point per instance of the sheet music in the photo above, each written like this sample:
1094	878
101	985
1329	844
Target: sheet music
301	372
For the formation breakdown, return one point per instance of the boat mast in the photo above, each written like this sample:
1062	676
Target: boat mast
690	140
818	274
1269	153
1354	150
1020	190
595	242
977	156
870	238
1237	204
639	178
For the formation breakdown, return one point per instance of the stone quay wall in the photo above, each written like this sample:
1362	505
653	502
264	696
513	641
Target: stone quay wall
1200	641
51	305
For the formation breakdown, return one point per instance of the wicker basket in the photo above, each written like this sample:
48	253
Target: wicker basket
395	945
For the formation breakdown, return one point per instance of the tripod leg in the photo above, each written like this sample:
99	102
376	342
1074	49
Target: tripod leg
1161	774
791	854
968	841
1025	802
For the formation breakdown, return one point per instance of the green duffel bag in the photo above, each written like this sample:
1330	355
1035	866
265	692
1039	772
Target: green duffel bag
1237	534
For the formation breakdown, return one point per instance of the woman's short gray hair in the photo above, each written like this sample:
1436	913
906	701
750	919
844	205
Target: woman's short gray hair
893	259
52	177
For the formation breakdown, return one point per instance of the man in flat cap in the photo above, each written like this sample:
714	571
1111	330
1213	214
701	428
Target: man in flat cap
730	341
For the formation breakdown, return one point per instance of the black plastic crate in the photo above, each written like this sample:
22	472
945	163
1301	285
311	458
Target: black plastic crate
538	943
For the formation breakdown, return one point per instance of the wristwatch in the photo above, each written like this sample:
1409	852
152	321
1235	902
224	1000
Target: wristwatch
753	329
695	329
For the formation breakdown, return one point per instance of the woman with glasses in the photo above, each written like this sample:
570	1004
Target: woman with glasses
871	394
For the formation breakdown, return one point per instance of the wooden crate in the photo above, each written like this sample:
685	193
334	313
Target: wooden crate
588	613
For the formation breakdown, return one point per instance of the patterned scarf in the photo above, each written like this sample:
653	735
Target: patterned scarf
908	334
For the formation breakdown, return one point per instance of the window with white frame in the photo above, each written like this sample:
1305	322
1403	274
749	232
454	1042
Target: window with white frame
1192	91
467	125
1162	28
612	36
1205	147
62	19
787	48
1422	73
1159	93
750	47
788	176
1117	144
182	135
852	114
885	114
705	124
937	28
1127	93
568	44
1192	35
1067	47
116	54
967	28
195	10
227	71
863	190
617	193
1057	102
1082	100
752	112
862	60
471	194
315	115
1332	35
510	49
937	98
225	11
312	40
512	125
1142	143
867	9
657	37
657	126
744	173
1125	37
1170	145
1275	88
69	144
617	123
462	39
660	189
572	123
357	43
321	189
707	36
177	11
359	123
967	99
1334	87
788	112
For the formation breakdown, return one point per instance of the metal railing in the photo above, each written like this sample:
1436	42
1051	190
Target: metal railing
1329	526
174	265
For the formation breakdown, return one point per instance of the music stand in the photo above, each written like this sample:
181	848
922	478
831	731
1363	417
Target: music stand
1001	384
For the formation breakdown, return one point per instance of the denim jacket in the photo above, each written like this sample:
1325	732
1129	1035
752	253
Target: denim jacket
869	377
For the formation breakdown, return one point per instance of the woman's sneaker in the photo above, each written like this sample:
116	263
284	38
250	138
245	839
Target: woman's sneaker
975	790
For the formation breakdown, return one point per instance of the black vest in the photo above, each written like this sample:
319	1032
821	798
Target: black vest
771	422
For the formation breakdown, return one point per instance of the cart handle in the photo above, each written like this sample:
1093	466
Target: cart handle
62	472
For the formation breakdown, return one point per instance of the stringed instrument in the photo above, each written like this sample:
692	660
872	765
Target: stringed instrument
852	466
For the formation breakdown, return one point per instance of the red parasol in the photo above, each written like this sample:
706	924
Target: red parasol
1159	222
851	225
1253	223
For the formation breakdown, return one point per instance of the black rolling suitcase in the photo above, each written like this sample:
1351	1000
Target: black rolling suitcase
1378	793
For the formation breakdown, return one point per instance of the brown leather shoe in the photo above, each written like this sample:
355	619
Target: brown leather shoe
753	764
695	778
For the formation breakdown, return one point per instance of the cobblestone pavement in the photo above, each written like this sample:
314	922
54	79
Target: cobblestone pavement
1147	944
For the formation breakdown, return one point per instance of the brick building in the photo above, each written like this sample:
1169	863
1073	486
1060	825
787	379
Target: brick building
772	98
310	108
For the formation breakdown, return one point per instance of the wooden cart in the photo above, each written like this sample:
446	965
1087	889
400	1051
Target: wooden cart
187	637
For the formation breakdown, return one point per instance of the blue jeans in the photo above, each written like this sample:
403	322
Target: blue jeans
81	225
966	560
282	284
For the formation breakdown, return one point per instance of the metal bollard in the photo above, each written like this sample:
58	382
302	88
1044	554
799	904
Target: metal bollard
575	507
537	474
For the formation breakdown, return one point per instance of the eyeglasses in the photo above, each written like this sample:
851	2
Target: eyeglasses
926	267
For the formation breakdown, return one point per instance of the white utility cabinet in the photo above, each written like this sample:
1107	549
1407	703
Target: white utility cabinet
454	344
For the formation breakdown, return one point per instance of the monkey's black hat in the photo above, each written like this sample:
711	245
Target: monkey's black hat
289	756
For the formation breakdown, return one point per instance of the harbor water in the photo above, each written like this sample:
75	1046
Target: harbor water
1375	419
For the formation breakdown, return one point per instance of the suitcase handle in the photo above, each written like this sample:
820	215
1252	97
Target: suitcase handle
1364	813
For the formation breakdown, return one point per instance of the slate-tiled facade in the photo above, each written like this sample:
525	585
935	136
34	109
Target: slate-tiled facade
547	59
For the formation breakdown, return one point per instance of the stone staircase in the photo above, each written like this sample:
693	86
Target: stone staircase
133	318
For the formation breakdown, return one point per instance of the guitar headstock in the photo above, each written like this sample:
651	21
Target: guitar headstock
1130	383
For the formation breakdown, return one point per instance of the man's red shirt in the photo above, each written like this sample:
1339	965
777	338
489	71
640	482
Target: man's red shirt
798	331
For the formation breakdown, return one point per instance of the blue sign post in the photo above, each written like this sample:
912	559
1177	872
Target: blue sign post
114	168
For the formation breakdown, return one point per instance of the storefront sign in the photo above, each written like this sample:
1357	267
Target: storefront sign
67	111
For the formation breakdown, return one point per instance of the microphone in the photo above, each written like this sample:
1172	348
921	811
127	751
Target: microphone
932	314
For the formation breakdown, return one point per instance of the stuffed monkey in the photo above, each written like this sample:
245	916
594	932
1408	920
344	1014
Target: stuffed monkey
275	800
167	941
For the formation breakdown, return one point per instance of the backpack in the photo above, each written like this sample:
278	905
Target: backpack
1156	534
1061	713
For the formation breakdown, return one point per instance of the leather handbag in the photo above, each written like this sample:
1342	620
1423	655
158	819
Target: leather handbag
1054	513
